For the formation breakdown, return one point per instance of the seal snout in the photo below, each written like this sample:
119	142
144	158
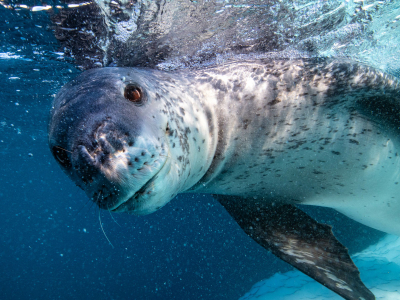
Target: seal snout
107	139
116	170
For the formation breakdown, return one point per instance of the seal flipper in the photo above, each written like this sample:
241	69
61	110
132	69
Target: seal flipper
296	238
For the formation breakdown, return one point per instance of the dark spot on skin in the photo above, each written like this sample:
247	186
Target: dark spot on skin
236	86
273	102
130	144
336	152
246	123
249	97
354	141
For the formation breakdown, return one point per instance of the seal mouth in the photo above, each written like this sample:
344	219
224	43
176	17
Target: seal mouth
122	207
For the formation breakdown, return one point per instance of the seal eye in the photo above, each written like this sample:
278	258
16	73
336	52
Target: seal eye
133	93
61	156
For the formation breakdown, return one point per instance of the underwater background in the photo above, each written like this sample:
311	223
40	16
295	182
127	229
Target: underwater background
52	245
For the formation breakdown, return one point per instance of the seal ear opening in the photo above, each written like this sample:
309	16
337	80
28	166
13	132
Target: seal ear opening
61	155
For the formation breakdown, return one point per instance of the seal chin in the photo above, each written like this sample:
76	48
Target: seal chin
154	194
131	203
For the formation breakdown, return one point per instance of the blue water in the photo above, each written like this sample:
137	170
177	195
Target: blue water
52	245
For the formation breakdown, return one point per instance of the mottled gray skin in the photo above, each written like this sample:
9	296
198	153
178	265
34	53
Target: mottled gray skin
311	132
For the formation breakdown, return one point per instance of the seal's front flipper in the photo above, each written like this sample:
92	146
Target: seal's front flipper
296	238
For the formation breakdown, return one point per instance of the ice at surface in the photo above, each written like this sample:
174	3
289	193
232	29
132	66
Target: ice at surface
379	265
182	33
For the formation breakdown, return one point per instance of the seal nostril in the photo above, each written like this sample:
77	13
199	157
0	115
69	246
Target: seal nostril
102	158
88	159
105	146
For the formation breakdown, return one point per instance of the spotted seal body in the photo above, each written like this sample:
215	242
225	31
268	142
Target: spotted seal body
259	135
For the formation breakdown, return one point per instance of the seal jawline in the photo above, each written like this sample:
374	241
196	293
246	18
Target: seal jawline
122	206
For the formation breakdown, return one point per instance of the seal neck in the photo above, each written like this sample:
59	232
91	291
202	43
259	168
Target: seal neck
193	131
211	134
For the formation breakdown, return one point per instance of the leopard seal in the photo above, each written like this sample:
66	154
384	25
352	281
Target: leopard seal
260	135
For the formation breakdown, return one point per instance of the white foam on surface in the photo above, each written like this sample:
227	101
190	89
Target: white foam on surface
379	265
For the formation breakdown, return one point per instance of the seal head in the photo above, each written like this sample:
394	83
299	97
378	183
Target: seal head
112	132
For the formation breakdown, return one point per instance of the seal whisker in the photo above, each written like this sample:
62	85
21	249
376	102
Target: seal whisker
101	226
94	202
63	149
169	156
113	217
83	207
137	148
